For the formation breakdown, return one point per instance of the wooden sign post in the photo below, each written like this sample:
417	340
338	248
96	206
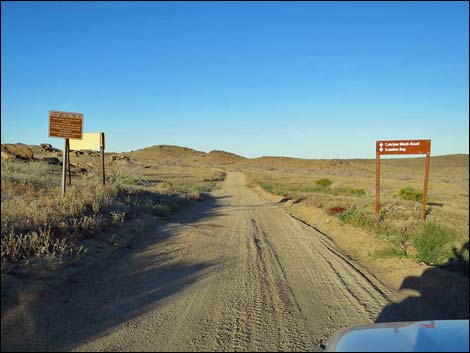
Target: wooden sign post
402	147
65	160
103	178
68	162
65	125
377	186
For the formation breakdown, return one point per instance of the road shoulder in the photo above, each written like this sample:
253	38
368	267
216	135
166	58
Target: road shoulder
38	280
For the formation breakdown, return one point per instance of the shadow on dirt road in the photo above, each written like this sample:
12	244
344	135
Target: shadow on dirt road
443	293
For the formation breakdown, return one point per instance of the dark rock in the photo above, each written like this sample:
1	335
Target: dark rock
119	158
78	169
51	160
47	147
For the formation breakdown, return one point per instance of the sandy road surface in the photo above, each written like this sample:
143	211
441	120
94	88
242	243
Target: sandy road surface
235	272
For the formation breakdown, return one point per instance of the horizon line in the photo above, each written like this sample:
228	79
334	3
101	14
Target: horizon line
405	156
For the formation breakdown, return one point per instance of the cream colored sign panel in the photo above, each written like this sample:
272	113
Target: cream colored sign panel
90	141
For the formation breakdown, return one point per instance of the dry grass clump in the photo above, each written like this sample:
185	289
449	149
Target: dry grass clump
194	196
38	221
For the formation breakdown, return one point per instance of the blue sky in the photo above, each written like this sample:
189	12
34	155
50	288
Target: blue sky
312	80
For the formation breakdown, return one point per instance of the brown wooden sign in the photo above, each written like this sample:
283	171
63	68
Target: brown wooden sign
65	125
403	147
387	147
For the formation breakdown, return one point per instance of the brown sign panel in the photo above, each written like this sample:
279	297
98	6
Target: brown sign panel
403	147
66	125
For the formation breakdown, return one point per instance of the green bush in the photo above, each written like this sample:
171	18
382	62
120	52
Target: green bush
323	183
434	244
347	215
166	185
200	188
411	194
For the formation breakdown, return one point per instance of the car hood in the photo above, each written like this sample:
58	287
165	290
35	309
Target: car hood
421	336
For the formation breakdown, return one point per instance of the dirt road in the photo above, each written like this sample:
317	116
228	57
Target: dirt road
236	272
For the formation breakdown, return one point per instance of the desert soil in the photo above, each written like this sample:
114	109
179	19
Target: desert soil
235	272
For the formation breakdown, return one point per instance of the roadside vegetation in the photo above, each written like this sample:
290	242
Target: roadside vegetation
346	190
411	194
37	222
322	186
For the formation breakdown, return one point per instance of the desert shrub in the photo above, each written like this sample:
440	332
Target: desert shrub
118	218
16	247
323	183
166	185
347	215
434	243
335	210
161	210
401	242
218	176
411	194
194	196
200	188
367	221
